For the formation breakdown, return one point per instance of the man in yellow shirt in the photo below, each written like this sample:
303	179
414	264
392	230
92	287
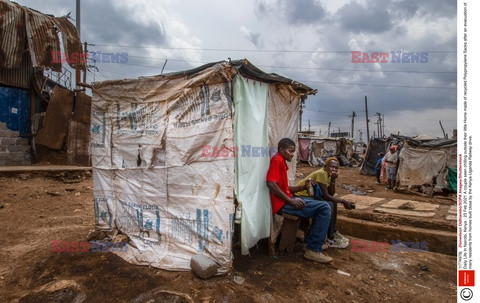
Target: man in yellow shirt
324	185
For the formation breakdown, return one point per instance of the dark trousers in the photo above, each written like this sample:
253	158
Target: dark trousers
332	227
378	172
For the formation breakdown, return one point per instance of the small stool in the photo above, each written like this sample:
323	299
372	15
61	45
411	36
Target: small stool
288	233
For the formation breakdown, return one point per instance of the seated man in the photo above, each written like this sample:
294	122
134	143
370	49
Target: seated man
283	201
324	185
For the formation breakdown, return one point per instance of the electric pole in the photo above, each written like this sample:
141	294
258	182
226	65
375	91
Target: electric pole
366	114
302	105
379	125
85	55
77	25
383	125
308	124
329	123
353	121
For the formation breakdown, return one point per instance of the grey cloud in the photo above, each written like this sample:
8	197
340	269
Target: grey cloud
254	38
407	9
302	12
106	22
299	12
357	18
261	8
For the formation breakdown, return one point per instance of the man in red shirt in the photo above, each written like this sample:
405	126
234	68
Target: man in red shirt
283	201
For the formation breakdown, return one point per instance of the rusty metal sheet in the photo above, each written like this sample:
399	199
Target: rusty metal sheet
42	39
12	34
21	27
56	121
77	144
83	104
71	41
18	77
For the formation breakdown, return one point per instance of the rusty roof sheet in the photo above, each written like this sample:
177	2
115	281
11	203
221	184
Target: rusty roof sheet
42	39
71	40
12	34
42	36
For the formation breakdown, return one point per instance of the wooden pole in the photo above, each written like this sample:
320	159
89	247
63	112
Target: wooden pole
366	115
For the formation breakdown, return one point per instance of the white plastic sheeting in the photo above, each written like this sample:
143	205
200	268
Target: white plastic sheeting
422	167
151	181
251	166
283	114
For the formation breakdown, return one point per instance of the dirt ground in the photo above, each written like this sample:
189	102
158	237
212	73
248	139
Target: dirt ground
36	209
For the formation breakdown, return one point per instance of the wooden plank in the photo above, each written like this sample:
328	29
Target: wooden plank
289	232
57	116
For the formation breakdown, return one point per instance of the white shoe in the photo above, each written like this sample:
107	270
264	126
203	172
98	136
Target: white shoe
340	237
337	243
317	256
324	246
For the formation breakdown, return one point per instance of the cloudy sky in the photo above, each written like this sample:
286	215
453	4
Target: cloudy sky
306	40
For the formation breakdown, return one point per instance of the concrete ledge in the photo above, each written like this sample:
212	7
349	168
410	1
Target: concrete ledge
438	241
34	168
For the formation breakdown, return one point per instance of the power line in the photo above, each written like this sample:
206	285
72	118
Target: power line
253	50
381	85
311	68
326	82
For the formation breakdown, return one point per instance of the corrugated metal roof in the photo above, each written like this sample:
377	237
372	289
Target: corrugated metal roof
71	40
12	34
42	39
18	77
21	26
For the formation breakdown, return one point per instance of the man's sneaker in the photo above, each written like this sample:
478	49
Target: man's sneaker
324	246
317	256
342	238
337	243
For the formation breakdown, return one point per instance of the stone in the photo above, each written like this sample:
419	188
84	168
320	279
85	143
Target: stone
408	206
96	235
9	134
203	266
21	141
8	141
362	202
18	148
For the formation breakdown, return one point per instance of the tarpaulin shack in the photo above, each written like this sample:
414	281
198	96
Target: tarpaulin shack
427	165
375	146
157	176
316	150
